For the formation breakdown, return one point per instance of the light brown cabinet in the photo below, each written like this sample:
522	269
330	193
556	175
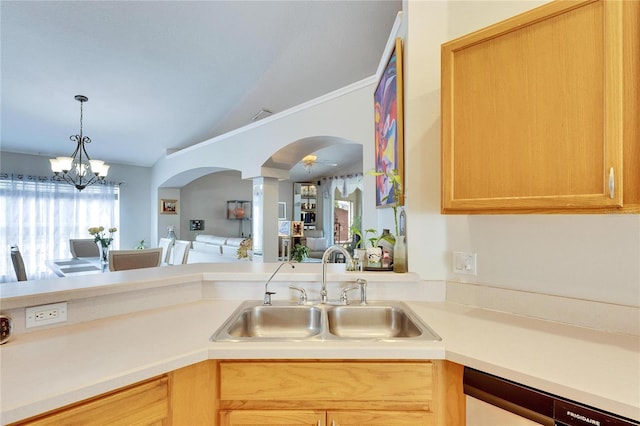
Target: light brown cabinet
146	403
340	393
273	417
321	418
289	392
540	112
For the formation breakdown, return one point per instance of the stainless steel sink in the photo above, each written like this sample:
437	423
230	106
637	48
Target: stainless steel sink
372	322
283	321
288	322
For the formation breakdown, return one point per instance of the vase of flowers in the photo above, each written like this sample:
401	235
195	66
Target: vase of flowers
245	251
103	241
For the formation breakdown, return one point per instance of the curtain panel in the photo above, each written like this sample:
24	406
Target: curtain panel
346	185
40	215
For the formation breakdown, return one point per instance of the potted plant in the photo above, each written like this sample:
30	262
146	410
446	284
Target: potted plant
299	253
373	250
399	248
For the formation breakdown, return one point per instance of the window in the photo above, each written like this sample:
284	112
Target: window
342	221
40	216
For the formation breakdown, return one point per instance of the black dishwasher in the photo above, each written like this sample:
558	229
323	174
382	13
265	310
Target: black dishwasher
536	405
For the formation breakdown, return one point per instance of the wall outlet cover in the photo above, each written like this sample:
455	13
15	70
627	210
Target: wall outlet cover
53	313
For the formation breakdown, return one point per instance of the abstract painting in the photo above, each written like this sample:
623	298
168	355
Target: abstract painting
389	142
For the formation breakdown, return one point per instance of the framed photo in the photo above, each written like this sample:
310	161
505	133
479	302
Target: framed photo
297	227
284	228
168	206
389	132
196	225
282	210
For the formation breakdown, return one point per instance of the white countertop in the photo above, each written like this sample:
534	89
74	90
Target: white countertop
88	358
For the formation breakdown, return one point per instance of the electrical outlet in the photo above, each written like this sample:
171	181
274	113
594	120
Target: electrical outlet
46	314
465	263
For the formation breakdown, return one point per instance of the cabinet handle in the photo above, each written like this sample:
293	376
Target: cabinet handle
612	184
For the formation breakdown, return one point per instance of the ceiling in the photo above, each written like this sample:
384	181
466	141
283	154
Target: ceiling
164	75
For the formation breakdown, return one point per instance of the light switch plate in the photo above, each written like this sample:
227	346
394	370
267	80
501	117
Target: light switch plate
465	263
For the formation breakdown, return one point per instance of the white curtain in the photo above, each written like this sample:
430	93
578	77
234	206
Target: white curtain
40	216
346	185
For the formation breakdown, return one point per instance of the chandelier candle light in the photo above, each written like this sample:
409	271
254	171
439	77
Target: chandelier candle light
74	169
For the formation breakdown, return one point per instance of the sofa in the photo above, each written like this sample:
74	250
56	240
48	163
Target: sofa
216	249
316	242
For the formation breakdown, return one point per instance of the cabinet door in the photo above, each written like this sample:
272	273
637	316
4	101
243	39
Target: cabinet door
532	112
381	418
339	385
143	404
272	417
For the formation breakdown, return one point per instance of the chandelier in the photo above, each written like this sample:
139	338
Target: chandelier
79	170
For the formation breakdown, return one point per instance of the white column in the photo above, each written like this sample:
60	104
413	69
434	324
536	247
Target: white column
265	219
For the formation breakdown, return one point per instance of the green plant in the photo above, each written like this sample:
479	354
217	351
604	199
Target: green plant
394	177
373	240
299	253
356	239
140	245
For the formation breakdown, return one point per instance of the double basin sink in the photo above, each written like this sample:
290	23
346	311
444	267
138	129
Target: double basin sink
383	321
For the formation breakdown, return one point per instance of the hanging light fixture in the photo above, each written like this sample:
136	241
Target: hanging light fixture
79	170
308	162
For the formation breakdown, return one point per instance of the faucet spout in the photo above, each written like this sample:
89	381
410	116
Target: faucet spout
267	293
325	258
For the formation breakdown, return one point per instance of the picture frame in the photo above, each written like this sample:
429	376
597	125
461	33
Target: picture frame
282	210
168	206
297	227
389	128
196	225
284	228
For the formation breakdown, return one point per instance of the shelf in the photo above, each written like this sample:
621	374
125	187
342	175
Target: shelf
305	208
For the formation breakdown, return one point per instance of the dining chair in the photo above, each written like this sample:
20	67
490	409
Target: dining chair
166	244
84	247
18	264
122	260
180	252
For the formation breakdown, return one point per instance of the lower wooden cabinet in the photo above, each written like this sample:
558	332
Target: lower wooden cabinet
337	393
273	417
275	392
322	418
145	403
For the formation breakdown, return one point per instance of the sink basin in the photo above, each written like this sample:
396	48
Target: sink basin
283	321
287	322
377	322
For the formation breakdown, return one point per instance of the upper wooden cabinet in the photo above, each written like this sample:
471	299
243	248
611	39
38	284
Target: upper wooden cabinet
540	112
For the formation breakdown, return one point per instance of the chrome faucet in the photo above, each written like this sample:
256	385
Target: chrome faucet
267	293
325	257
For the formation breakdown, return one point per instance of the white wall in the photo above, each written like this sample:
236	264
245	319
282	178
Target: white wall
347	115
206	198
135	208
594	257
